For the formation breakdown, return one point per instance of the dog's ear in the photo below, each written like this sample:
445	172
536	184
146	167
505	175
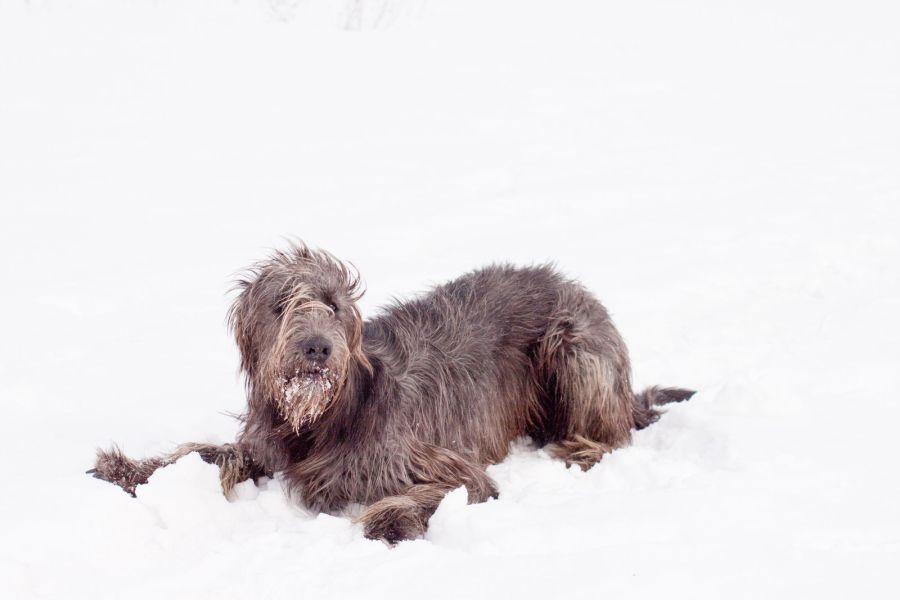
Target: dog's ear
240	325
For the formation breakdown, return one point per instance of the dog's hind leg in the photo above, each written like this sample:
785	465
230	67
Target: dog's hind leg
233	461
437	471
579	450
595	411
583	367
590	408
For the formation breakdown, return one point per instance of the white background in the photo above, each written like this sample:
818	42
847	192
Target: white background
723	175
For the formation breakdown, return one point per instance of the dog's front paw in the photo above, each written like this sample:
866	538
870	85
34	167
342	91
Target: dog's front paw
113	466
393	520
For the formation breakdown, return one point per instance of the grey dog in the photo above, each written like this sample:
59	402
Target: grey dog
396	411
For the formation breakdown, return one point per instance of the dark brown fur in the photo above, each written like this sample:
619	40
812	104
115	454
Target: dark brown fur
420	399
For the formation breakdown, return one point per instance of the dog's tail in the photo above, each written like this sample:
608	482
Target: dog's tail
645	403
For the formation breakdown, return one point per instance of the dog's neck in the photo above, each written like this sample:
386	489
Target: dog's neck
344	419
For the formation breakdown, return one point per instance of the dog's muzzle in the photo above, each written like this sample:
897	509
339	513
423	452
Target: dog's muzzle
305	395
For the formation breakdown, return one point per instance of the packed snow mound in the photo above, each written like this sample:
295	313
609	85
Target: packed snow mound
723	177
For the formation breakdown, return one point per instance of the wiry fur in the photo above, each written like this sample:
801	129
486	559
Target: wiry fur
427	394
235	465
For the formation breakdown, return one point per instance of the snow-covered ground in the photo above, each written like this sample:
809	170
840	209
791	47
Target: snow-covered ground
725	176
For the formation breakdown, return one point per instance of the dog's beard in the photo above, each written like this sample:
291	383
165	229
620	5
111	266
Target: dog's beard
304	396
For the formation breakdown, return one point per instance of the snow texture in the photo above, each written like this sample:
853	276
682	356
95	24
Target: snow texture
723	175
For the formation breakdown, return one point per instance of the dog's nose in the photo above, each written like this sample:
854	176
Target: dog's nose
316	348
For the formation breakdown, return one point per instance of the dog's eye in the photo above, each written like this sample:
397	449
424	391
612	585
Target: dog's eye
277	309
333	306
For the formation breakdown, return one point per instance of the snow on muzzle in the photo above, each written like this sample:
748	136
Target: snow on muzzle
304	396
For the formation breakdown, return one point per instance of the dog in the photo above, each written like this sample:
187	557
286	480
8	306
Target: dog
396	411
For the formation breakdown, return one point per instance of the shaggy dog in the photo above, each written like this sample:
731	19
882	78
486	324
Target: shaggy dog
396	411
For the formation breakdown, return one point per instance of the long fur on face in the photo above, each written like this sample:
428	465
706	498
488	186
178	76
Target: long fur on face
289	298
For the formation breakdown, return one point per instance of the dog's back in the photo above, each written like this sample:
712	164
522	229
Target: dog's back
457	363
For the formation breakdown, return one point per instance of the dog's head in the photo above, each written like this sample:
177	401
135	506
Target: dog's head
298	329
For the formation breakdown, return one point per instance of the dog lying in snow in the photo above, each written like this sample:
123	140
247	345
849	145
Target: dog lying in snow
396	411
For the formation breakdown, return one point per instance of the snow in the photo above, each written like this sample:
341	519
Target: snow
723	175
